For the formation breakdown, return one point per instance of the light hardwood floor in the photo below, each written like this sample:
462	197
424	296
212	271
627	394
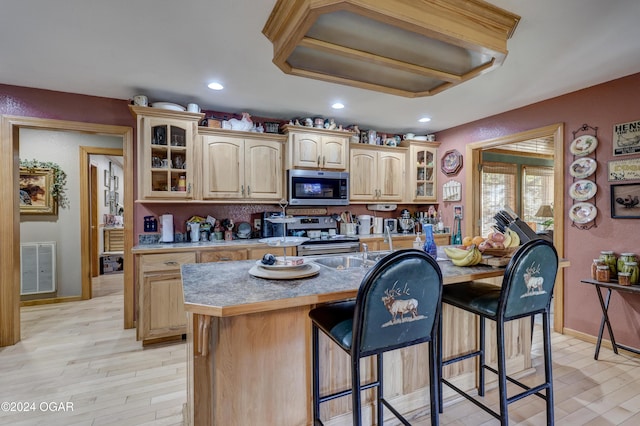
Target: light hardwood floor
78	353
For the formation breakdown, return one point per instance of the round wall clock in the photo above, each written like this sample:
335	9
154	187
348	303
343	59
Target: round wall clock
451	163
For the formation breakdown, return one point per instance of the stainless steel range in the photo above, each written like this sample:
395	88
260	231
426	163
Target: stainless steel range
327	242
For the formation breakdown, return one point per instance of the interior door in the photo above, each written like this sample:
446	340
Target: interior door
93	219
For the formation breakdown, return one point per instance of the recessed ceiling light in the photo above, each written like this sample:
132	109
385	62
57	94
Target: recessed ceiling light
424	120
215	86
337	105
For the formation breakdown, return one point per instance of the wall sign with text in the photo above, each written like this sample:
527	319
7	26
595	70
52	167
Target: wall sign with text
624	169
626	138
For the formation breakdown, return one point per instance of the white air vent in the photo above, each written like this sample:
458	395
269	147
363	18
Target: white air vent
37	267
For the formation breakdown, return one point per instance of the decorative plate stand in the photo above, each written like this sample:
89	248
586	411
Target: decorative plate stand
451	163
583	147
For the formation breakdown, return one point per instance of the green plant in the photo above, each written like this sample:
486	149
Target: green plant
59	179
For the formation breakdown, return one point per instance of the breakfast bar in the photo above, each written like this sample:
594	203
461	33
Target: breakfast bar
249	351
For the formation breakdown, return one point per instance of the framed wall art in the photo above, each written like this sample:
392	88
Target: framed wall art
35	192
625	201
451	163
626	138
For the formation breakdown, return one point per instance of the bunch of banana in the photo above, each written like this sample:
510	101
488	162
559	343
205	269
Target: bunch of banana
512	239
464	257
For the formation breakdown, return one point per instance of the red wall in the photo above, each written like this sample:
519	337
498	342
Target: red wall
28	102
599	106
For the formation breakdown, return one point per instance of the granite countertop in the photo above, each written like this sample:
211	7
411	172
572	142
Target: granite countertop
226	288
182	246
185	246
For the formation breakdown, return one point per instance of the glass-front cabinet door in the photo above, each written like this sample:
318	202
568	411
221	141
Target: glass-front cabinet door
423	173
165	153
169	170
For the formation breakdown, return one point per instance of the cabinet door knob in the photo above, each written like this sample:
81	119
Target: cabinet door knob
248	191
189	188
324	160
318	162
242	189
171	263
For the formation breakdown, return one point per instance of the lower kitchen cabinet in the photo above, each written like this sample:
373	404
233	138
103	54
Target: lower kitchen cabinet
161	313
223	255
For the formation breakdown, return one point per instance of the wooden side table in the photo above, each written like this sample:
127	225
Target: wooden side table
604	304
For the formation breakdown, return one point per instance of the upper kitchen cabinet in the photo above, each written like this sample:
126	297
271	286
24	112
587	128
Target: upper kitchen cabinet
377	173
314	148
165	153
241	166
422	171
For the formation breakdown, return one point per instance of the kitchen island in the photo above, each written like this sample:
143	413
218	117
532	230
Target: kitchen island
249	349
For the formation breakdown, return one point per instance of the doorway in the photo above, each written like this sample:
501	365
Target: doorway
10	224
473	180
89	220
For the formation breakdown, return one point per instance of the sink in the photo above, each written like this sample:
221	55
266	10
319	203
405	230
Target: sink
374	257
342	262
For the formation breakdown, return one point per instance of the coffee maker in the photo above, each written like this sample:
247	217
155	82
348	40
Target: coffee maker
405	222
268	228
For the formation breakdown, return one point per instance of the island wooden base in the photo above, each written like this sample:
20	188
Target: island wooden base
256	369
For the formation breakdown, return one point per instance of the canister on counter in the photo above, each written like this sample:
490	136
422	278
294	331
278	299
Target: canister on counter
610	259
594	268
626	257
624	278
631	268
603	274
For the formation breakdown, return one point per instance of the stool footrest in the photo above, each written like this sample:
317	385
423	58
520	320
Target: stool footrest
528	390
462	357
346	392
471	399
395	412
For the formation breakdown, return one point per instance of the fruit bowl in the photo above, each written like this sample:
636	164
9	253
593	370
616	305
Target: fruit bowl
505	252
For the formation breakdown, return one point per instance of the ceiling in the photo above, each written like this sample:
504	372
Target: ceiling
171	50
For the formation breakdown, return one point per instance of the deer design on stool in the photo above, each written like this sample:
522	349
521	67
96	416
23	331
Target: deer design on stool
399	306
534	284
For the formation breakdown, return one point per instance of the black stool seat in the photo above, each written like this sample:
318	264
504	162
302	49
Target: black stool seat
526	290
478	298
398	305
336	321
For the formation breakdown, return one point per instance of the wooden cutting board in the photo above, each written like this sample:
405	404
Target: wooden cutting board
496	262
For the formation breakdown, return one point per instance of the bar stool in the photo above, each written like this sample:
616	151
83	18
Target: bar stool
526	291
398	305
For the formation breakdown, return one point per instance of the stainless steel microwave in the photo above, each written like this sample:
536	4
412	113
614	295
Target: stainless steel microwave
318	188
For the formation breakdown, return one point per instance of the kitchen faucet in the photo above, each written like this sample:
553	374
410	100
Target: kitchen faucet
388	239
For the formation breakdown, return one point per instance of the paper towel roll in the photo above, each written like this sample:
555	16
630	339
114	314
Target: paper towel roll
166	221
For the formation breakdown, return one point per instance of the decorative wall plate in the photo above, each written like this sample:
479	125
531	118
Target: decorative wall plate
583	145
451	163
582	190
582	212
583	167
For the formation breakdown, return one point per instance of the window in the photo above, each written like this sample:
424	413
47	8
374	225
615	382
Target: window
537	189
498	190
522	188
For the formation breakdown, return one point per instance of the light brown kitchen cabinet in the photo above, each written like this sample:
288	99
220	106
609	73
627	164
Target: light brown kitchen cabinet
223	255
161	313
312	148
166	162
245	167
422	165
377	174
